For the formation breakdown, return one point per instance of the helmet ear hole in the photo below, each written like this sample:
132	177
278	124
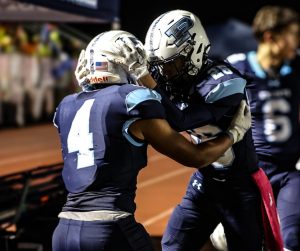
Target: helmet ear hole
199	48
193	37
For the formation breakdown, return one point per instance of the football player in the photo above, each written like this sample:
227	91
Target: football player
201	96
274	101
104	132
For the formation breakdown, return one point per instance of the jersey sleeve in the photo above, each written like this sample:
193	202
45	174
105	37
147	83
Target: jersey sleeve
223	89
227	93
55	118
145	104
223	95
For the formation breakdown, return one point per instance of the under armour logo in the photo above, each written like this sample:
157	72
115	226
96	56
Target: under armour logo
197	184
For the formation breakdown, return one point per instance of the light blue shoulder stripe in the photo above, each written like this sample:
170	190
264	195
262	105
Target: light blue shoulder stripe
127	135
285	70
225	89
139	95
259	72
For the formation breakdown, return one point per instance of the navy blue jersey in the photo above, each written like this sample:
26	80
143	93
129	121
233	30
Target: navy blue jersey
210	109
274	102
223	191
101	158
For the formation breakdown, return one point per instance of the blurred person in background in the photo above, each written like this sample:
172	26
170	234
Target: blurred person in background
5	42
274	98
200	96
18	72
104	131
49	48
12	62
34	64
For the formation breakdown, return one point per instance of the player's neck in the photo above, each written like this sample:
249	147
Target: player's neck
266	59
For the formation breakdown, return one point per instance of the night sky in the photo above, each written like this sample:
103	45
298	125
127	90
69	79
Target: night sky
209	12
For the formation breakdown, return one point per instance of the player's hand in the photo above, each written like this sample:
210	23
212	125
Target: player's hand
240	123
131	55
81	71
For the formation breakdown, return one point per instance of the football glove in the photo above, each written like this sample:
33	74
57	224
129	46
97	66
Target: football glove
240	123
81	72
131	55
218	238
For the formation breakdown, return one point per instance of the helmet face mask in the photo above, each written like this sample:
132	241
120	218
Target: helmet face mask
176	34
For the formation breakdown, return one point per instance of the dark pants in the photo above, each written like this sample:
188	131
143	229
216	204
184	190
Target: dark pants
235	203
286	189
125	234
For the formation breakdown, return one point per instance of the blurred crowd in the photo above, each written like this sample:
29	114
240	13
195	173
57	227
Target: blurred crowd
36	71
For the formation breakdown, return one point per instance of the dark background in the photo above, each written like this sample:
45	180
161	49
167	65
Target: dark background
136	16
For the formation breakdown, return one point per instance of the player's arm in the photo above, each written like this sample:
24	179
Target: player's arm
171	143
224	100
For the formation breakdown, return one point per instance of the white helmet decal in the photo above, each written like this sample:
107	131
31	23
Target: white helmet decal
180	30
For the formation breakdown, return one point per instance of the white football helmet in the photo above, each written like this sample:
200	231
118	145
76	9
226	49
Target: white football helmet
97	66
174	34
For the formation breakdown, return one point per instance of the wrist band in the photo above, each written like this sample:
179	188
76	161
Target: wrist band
229	134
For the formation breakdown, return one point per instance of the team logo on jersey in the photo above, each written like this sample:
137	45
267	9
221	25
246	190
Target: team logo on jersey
197	184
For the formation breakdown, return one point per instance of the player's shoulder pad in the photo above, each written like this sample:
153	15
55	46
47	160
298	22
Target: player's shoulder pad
226	89
139	95
234	58
69	97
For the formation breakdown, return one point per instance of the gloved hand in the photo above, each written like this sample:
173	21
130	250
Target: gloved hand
81	71
218	238
132	56
240	123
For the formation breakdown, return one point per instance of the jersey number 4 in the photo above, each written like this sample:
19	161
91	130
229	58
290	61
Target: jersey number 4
80	139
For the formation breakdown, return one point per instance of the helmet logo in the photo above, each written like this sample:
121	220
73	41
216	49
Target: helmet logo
180	30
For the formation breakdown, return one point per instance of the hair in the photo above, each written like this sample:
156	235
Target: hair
274	19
